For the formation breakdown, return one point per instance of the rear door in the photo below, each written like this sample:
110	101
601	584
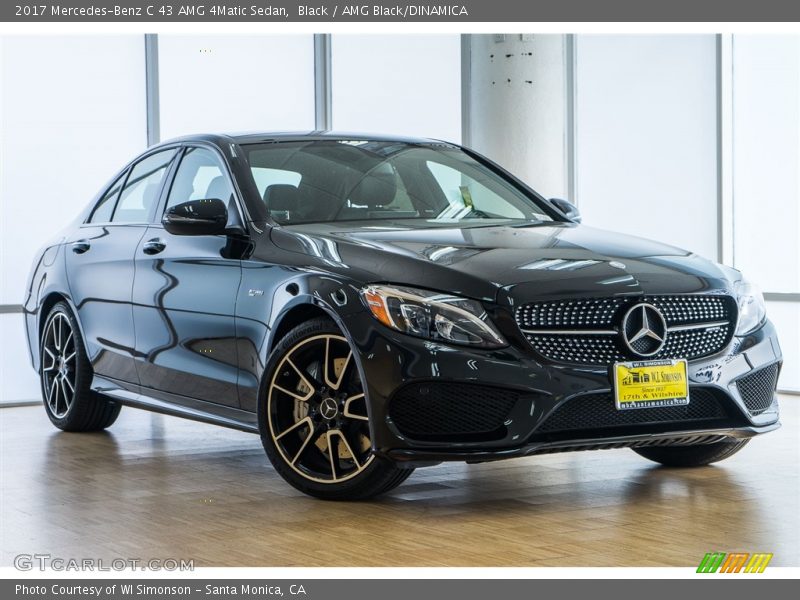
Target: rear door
185	292
100	265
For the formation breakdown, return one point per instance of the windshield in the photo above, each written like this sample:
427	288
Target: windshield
336	180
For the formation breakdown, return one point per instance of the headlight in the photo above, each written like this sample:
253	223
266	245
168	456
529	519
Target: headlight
432	315
752	310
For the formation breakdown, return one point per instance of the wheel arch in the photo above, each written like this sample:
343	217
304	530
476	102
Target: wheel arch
294	316
312	296
303	308
50	299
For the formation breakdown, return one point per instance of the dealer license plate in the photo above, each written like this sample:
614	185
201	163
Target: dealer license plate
650	384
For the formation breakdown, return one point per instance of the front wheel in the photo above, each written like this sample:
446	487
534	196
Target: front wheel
313	418
691	456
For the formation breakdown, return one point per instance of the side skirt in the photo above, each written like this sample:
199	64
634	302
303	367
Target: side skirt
177	406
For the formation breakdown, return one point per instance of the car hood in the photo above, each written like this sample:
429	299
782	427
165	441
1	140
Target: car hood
541	261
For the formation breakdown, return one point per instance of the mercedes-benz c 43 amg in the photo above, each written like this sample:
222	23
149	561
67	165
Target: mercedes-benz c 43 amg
371	305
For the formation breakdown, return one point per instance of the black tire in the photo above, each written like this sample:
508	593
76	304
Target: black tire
66	376
691	456
369	475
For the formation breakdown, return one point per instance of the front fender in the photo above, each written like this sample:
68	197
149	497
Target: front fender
264	316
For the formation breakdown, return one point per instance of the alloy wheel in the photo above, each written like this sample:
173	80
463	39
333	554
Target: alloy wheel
59	370
317	410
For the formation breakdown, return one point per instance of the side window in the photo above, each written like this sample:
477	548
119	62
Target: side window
141	189
104	208
200	176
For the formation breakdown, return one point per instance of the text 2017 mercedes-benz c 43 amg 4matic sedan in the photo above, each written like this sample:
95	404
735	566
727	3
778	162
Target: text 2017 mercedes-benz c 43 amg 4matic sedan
370	305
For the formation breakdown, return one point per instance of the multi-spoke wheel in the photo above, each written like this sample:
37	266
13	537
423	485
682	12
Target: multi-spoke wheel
58	365
66	375
314	419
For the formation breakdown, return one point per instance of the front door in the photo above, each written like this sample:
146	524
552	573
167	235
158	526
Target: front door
184	295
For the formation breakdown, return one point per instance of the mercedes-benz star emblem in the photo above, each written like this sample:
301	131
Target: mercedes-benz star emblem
644	329
328	408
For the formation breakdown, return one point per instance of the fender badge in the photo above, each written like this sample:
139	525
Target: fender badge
616	264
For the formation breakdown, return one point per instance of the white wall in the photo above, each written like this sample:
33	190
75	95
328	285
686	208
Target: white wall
766	159
765	82
235	83
72	112
646	136
404	85
786	317
518	107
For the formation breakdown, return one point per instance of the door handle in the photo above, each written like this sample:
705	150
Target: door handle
153	246
80	246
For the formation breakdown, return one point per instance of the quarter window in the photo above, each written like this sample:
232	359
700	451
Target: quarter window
141	190
200	176
104	209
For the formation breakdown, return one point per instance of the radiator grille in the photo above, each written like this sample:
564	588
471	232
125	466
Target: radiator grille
587	331
757	388
444	411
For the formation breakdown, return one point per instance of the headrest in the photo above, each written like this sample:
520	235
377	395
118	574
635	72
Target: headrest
377	188
219	189
281	196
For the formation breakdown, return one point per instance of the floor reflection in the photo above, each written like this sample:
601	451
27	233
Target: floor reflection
156	486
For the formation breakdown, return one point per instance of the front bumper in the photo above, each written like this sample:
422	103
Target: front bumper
393	363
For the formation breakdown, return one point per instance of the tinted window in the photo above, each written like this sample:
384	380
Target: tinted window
200	176
266	177
464	193
102	212
345	180
141	190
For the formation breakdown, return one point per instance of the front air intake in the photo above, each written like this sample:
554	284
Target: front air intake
758	388
597	411
452	412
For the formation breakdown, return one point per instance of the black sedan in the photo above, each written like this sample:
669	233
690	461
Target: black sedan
370	305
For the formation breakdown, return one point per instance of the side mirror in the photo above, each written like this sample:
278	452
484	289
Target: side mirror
568	208
196	217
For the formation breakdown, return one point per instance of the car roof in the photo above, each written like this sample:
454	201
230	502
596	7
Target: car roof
256	137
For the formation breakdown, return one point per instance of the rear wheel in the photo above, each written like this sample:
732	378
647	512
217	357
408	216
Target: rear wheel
313	418
691	456
66	375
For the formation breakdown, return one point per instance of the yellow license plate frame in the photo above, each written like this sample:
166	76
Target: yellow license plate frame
651	384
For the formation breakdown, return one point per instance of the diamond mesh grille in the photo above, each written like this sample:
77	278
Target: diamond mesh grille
547	327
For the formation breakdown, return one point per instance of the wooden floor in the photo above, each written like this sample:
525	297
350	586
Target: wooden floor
158	487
